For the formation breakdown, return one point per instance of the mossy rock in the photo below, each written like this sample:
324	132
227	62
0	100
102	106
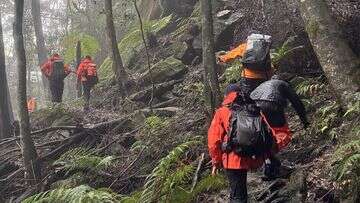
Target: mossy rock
130	46
54	116
165	70
132	42
178	49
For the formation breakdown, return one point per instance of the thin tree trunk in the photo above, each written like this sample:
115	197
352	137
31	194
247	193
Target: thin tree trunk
28	149
118	67
147	57
40	42
212	90
5	111
78	61
338	61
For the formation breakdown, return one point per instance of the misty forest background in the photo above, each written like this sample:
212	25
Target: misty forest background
144	138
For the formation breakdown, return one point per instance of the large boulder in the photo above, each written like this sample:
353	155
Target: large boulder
163	71
159	91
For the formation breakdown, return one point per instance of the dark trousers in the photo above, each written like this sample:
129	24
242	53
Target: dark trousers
87	93
56	89
238	189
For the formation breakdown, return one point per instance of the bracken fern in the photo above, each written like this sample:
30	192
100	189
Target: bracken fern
80	194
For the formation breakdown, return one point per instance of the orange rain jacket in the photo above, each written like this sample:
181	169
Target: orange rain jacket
31	104
46	68
218	133
83	69
246	73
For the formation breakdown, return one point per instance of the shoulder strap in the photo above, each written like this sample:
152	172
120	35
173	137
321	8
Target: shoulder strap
265	119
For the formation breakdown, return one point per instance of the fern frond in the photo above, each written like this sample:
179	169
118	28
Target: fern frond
156	180
83	159
81	194
347	166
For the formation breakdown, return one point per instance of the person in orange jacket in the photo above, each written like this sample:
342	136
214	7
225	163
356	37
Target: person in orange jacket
55	71
87	75
235	166
251	78
31	104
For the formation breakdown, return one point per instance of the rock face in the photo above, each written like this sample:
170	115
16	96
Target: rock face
163	71
347	15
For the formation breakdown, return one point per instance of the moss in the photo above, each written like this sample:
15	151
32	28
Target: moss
130	46
89	45
54	116
164	70
105	70
194	17
132	41
312	28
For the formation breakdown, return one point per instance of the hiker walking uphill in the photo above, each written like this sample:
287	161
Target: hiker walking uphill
31	104
56	71
271	97
87	75
238	140
255	58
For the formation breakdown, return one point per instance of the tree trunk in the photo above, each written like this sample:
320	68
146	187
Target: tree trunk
212	90
118	67
5	111
40	42
78	61
338	61
28	149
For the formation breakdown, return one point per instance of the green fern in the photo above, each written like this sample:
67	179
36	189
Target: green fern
347	166
158	180
80	194
83	159
283	50
155	123
309	87
233	72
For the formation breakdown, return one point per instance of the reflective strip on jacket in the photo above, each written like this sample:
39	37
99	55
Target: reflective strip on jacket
246	73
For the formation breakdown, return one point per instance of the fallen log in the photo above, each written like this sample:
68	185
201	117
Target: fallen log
55	128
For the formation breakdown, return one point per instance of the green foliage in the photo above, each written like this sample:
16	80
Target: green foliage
171	180
327	117
233	72
83	159
183	24
155	123
166	175
283	51
131	44
353	109
89	45
105	70
347	167
132	41
309	87
81	194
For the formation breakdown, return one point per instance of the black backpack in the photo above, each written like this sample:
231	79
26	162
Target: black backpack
248	133
257	53
58	71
